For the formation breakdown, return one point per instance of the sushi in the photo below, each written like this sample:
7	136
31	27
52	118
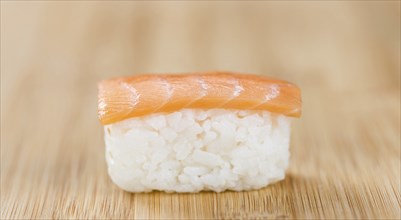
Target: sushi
211	131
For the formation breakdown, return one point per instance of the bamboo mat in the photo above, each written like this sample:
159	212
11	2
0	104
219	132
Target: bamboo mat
345	150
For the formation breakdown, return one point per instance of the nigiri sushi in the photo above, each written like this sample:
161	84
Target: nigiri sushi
211	131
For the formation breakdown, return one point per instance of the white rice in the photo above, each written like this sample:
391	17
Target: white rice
193	150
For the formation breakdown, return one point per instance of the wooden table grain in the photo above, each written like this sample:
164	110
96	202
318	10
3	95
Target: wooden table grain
345	56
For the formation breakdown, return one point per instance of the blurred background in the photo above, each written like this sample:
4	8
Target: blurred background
345	56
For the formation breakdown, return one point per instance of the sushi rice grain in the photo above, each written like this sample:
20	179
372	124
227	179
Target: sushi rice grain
198	149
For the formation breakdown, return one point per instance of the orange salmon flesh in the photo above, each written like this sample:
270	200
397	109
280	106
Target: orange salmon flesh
128	97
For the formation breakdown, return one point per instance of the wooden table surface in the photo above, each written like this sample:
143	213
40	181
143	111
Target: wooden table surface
345	56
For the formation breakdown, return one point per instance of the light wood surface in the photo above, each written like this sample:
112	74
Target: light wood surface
344	55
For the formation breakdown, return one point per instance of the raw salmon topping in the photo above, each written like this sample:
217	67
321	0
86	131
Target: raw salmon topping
128	97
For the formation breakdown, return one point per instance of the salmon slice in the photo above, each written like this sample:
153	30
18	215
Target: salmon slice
128	97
